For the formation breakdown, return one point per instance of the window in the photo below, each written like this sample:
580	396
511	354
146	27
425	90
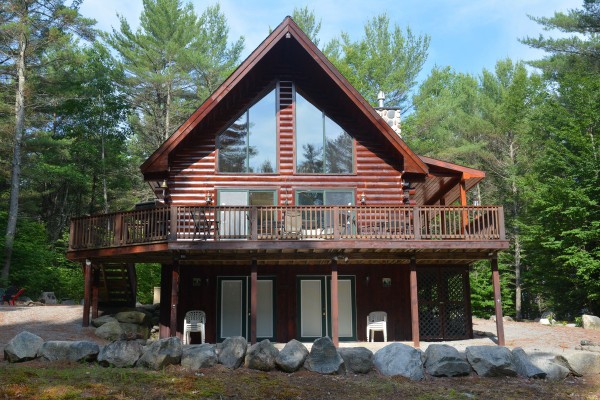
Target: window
325	197
249	145
322	146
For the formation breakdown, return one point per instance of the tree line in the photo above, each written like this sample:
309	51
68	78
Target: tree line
80	109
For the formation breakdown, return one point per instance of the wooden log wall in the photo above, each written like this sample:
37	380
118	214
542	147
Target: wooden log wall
377	169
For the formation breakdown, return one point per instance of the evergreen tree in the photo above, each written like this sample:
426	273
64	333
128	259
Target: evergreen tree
27	31
384	59
172	61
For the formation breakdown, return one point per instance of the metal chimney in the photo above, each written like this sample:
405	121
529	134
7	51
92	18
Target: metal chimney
380	98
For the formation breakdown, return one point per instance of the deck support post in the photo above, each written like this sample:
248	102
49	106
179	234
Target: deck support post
497	300
414	303
87	291
95	284
253	300
463	203
174	298
334	303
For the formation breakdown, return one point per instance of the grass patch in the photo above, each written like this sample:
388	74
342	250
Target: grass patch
41	380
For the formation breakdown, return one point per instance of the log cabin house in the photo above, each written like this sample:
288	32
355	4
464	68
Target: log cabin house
288	207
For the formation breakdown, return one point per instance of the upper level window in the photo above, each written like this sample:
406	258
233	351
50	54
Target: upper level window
249	145
322	146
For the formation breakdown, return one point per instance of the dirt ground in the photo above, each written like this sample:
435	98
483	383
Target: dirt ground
64	323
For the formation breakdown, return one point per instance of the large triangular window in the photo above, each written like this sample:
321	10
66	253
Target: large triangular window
249	145
322	146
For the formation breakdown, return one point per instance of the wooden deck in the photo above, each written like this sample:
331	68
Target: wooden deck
307	229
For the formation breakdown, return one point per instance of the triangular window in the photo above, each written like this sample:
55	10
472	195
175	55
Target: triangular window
249	145
322	146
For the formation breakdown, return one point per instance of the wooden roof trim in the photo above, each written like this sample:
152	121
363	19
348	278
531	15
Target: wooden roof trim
354	95
287	26
466	172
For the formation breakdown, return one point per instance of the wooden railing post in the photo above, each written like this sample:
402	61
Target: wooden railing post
336	223
500	222
72	235
173	224
417	222
118	238
253	223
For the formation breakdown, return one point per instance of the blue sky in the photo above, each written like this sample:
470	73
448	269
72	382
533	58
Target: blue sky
468	35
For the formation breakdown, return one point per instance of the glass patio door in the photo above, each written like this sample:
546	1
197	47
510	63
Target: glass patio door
234	308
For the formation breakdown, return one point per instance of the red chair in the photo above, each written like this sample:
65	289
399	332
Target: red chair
15	296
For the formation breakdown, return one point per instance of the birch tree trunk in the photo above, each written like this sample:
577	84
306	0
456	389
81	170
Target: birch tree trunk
13	210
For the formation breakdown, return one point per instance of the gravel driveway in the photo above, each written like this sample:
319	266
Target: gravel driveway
64	323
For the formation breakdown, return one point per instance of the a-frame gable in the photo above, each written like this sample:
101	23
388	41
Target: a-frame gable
286	46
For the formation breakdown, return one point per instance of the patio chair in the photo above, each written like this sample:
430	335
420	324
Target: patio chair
202	225
377	321
11	299
292	224
195	321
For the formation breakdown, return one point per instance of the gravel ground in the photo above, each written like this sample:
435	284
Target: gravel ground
64	323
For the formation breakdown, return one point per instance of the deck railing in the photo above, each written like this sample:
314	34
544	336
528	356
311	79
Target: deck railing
190	223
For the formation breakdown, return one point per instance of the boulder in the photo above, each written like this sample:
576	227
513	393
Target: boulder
292	356
198	356
491	360
357	360
135	331
444	360
161	353
110	331
132	317
120	354
47	298
524	366
324	358
64	350
233	351
590	322
554	366
261	356
98	322
583	362
23	347
399	359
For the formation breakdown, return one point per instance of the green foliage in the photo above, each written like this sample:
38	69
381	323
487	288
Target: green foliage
148	277
39	267
307	21
482	292
173	61
384	59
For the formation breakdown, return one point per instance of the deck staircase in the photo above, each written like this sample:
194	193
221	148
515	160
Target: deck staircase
117	285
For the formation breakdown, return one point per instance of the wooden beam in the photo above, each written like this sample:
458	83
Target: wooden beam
414	303
442	191
95	290
87	291
334	303
174	298
164	329
497	300
253	300
463	202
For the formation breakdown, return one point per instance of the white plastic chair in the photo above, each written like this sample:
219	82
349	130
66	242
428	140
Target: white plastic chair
377	321
195	321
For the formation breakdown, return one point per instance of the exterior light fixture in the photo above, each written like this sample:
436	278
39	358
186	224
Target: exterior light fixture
363	199
209	199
